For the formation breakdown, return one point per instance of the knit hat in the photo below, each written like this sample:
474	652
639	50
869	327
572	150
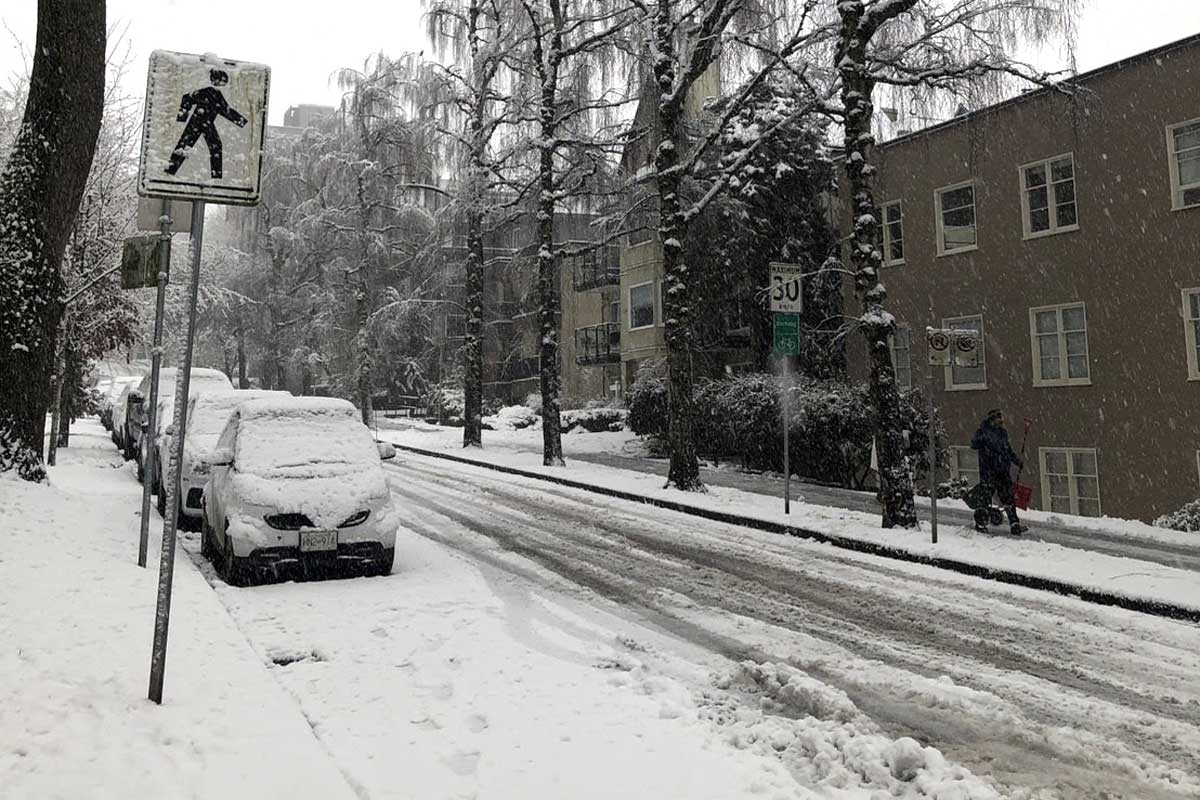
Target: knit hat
995	413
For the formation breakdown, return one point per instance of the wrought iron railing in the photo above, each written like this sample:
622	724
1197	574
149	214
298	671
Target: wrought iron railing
598	344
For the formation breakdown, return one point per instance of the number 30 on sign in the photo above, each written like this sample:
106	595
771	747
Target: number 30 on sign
786	297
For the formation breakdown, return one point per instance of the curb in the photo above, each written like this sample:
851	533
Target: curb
1141	605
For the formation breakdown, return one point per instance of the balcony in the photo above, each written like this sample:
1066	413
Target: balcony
596	268
598	344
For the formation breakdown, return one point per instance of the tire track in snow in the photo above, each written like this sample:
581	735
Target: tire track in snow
561	538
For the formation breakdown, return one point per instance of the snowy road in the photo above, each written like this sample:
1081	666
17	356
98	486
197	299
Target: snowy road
1042	692
792	664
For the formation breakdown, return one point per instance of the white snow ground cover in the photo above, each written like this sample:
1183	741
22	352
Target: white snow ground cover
76	622
1129	577
447	679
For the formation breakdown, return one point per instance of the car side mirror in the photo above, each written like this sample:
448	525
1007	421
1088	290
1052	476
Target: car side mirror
221	457
386	450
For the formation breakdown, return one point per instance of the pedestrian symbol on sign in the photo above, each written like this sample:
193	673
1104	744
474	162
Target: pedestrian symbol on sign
208	104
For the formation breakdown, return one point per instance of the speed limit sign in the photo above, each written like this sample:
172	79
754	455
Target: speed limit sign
786	296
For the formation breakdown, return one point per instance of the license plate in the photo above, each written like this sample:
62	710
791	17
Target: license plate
318	540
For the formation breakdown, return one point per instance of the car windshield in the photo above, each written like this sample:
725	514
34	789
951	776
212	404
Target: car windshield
304	444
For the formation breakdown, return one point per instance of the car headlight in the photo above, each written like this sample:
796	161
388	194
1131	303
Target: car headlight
355	519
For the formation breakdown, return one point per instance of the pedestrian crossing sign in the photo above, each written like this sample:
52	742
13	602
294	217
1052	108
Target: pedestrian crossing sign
204	128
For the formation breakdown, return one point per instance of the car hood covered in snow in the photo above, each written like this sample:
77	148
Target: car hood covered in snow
327	500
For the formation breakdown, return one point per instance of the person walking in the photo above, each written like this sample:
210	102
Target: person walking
996	459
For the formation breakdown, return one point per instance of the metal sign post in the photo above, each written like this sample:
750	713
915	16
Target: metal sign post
787	303
173	473
947	348
192	99
164	263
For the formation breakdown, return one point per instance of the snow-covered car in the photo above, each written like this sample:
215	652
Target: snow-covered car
119	412
297	486
206	417
137	418
110	390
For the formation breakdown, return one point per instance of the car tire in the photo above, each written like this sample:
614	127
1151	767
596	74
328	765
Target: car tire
206	544
383	566
233	569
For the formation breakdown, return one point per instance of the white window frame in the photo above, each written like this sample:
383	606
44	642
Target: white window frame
1036	353
1051	198
951	386
892	351
888	261
939	217
1189	335
1072	486
956	453
653	306
1177	189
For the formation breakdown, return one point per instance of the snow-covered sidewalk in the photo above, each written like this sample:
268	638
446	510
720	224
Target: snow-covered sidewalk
76	621
1127	577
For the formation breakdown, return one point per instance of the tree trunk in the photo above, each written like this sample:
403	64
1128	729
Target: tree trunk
877	325
363	358
473	344
243	383
684	472
549	287
40	190
56	396
273	371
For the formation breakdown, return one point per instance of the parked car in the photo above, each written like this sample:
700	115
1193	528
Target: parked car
137	415
109	391
297	485
206	417
119	411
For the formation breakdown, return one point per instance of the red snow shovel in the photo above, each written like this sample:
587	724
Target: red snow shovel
1023	494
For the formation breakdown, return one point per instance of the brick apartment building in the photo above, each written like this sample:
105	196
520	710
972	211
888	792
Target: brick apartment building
1066	229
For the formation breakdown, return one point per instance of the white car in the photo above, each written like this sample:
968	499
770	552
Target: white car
118	419
137	415
206	417
110	389
297	486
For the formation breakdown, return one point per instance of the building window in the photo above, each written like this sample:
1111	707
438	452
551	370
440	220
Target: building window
1191	331
1183	147
641	306
456	326
1060	346
966	378
1048	196
893	234
1070	480
901	347
614	312
956	218
964	464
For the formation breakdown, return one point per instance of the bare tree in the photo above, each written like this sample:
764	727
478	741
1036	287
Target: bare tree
572	48
937	48
40	190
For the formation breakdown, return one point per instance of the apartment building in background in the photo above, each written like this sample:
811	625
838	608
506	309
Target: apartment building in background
1064	227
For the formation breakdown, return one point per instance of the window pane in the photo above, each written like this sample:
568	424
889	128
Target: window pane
1077	344
1083	463
1089	508
1060	505
1062	170
958	228
1189	168
641	306
1187	136
892	213
1039	198
957	198
1039	221
1077	367
1194	304
1074	318
1046	321
1056	464
1064	192
1066	216
1087	488
1035	176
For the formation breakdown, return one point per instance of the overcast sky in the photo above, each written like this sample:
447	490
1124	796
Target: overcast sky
305	42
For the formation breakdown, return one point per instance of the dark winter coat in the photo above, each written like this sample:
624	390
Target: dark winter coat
996	455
